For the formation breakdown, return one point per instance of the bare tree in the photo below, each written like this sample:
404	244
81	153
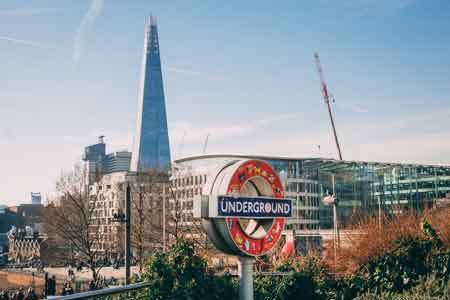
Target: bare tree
181	223
148	194
72	218
157	207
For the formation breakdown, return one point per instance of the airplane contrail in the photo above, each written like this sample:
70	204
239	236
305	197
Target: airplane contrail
88	21
23	42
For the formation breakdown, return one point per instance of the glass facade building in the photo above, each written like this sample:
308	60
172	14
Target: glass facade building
151	150
367	187
97	162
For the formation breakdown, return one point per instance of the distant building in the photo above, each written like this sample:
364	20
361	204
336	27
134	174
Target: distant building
8	219
367	187
108	199
36	198
151	142
20	232
26	246
116	162
28	215
97	162
108	175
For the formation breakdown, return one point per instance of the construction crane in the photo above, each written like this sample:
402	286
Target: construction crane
326	97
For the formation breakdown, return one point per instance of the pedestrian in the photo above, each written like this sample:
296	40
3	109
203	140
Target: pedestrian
64	290
92	285
69	289
31	295
20	294
51	286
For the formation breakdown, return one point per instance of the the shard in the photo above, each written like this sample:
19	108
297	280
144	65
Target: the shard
151	150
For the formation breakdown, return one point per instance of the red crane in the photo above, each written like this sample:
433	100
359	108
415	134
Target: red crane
326	97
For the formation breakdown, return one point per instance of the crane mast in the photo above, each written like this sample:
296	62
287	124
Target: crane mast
326	97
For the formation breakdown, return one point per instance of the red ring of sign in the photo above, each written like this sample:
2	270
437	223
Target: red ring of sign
247	244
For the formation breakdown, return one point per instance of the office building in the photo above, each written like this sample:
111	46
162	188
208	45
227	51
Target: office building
367	187
98	163
36	198
144	170
151	150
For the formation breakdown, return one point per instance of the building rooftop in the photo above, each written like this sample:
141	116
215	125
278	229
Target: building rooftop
323	164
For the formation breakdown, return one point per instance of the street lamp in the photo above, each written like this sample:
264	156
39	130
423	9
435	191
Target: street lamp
121	217
331	199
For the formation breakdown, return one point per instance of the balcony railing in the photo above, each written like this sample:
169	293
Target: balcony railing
126	292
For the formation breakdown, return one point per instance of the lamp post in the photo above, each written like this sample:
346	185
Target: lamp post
332	200
126	218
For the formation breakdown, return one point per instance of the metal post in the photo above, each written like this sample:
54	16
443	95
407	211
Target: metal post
335	219
164	216
141	227
45	284
246	278
379	213
127	234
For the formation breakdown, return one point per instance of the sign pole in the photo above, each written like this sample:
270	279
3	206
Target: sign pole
246	278
128	234
244	190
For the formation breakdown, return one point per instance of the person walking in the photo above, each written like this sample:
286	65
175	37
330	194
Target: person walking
20	294
31	295
51	286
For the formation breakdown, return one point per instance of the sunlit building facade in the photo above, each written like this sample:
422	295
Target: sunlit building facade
363	187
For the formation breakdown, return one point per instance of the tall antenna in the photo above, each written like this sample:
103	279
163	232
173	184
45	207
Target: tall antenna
326	97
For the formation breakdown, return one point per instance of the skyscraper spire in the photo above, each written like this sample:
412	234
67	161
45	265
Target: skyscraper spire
151	150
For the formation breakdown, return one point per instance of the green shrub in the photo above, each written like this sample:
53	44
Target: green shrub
293	286
182	274
304	278
431	287
397	271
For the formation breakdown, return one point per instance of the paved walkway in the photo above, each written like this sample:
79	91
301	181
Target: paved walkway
86	274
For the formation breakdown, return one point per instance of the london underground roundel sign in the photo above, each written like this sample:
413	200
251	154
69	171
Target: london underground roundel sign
249	241
246	208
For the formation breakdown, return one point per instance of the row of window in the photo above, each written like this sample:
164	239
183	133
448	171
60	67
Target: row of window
306	214
301	201
302	187
191	180
187	193
302	226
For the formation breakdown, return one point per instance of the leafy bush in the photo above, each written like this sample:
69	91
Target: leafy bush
397	271
407	259
304	277
431	287
182	274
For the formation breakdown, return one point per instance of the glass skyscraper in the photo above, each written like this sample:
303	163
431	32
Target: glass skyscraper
151	150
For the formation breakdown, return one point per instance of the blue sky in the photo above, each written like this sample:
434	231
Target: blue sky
241	71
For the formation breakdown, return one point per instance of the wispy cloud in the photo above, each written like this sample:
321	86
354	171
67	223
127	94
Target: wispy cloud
88	21
421	118
391	4
371	7
182	71
353	107
23	42
193	133
27	11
